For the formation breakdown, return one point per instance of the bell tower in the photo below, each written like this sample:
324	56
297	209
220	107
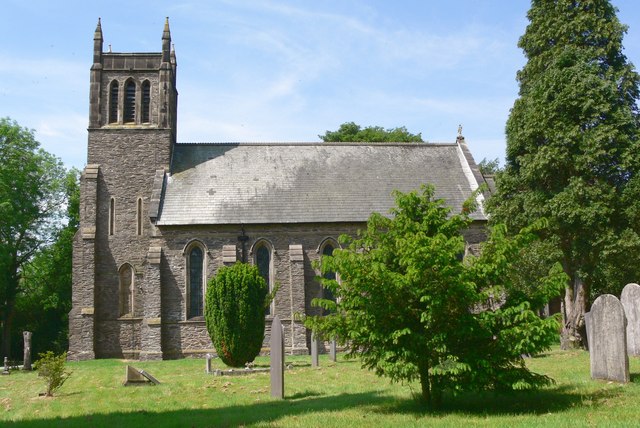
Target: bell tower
116	292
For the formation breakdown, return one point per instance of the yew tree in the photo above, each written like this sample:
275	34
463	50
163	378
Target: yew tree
412	307
572	150
235	303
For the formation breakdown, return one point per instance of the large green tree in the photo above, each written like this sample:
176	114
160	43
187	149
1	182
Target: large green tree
32	199
351	132
572	149
412	308
45	301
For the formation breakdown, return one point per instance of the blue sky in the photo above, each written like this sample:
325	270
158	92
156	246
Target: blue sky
269	70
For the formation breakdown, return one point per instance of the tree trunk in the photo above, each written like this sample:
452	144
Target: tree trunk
425	384
7	318
574	306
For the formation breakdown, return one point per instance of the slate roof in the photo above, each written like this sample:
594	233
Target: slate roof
305	183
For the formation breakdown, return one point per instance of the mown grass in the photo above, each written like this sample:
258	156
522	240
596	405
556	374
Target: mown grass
336	394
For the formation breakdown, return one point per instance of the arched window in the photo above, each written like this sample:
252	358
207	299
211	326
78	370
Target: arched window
139	217
113	102
130	102
146	101
263	260
195	281
126	290
327	250
112	216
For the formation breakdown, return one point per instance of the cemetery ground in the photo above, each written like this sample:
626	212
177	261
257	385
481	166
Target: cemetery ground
334	394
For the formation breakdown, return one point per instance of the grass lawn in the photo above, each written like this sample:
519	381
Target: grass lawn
336	394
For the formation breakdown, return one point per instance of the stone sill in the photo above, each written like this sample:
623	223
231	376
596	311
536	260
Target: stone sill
132	319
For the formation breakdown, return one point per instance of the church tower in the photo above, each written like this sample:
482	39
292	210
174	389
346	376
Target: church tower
131	135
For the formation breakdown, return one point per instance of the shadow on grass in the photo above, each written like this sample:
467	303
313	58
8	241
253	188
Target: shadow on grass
230	416
486	404
513	403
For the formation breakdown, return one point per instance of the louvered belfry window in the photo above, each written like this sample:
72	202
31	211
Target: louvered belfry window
130	102
146	102
113	102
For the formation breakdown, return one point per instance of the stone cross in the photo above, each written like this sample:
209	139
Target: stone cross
315	362
26	365
630	300
606	335
277	358
332	351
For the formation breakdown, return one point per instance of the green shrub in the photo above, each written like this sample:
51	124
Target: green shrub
51	367
234	312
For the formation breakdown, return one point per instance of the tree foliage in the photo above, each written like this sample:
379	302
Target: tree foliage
32	198
412	308
234	312
45	302
351	132
572	149
489	166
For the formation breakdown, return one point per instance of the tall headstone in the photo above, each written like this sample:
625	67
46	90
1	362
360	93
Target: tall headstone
277	358
332	351
630	299
606	325
5	370
208	363
315	361
26	364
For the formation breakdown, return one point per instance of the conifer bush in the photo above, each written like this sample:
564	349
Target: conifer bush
234	312
52	368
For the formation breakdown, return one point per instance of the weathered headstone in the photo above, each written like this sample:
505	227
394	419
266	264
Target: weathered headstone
606	325
134	376
26	364
6	371
630	299
277	358
315	361
332	351
208	363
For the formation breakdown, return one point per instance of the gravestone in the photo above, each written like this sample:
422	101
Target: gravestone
332	351
630	299
315	361
26	364
134	376
6	371
207	368
277	358
606	325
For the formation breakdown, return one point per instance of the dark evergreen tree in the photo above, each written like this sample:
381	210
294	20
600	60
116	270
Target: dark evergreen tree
572	150
234	312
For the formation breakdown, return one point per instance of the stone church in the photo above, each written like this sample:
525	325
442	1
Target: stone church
159	218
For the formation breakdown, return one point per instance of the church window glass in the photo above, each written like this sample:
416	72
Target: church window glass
263	262
139	217
195	278
112	216
327	250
